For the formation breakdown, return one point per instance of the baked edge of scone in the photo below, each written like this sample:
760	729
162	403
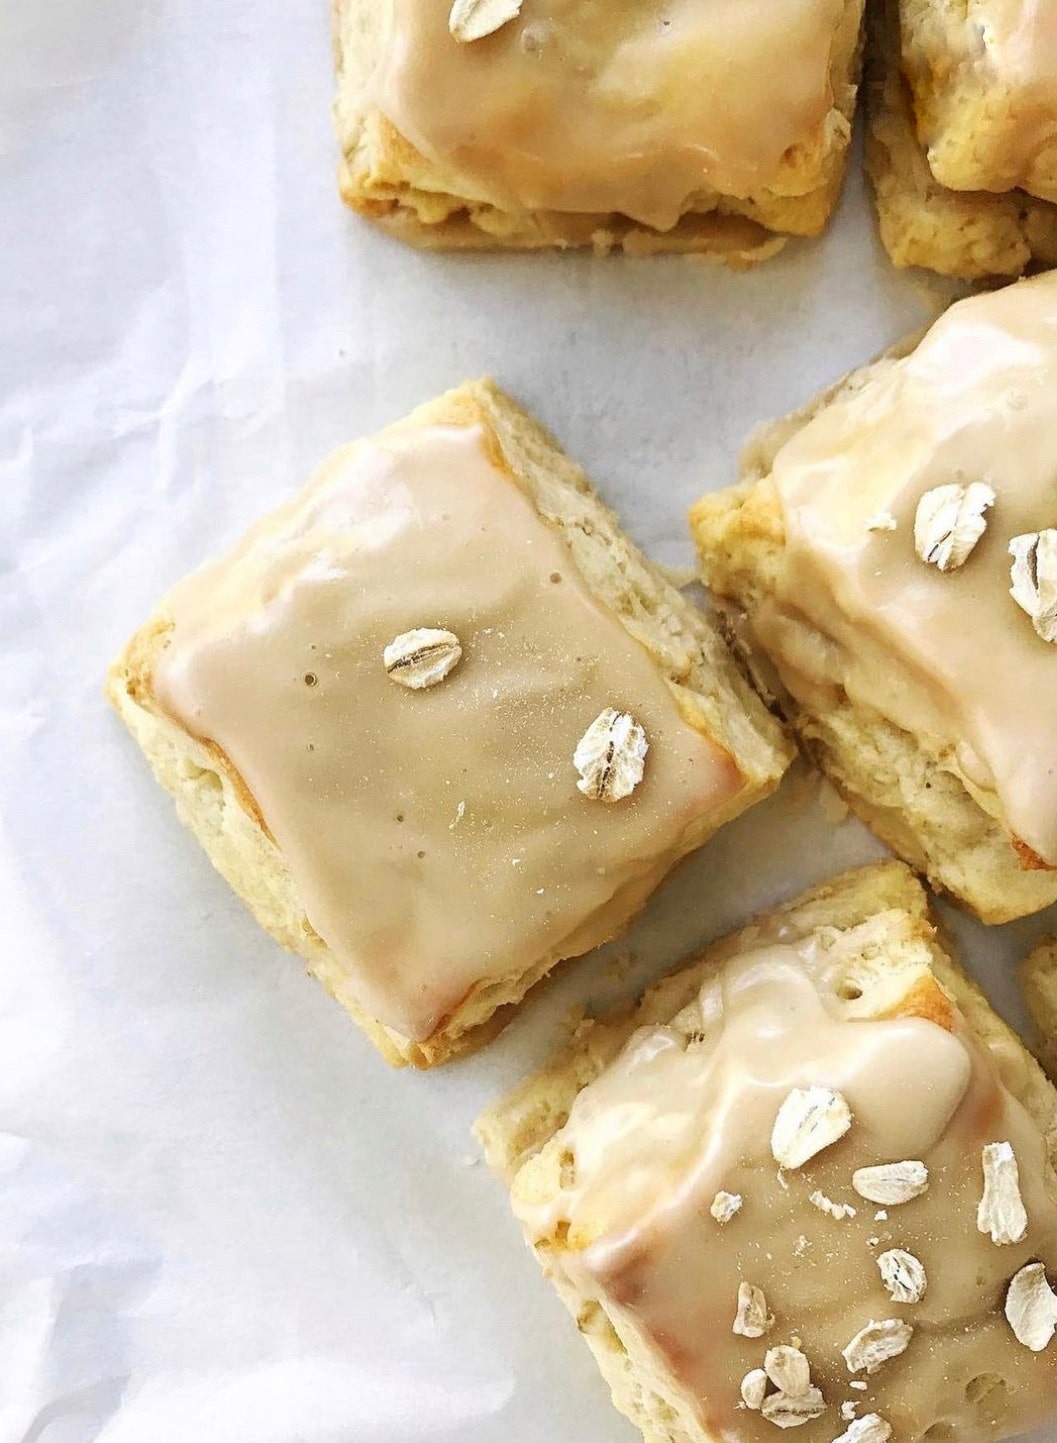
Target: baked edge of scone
708	688
515	1130
385	178
923	811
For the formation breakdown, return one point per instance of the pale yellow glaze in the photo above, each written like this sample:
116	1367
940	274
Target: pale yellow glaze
628	106
687	1110
947	656
437	837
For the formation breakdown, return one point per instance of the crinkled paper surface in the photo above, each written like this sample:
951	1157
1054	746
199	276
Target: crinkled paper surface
222	1218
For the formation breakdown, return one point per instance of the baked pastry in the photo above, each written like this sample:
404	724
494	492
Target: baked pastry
440	724
962	110
1038	982
917	682
713	128
784	1191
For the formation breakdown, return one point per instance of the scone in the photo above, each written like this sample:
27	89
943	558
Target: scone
962	110
699	126
440	724
1038	982
867	554
807	1183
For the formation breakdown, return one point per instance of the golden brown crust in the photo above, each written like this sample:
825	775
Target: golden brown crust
385	178
214	801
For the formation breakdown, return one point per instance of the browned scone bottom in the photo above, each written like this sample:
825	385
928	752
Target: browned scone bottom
929	695
962	109
406	810
816	1153
711	128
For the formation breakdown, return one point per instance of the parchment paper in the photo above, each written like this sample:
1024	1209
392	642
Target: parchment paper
222	1218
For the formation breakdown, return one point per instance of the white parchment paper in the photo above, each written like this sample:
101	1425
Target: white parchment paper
222	1218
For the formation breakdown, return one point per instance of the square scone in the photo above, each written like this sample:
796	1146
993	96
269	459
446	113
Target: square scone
808	1183
704	126
440	724
962	111
890	554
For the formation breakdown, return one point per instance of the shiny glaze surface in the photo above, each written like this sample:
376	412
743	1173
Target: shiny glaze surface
436	837
687	1110
948	656
628	106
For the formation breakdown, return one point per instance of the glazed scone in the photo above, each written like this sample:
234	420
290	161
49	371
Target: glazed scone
928	696
440	724
984	84
714	128
920	88
762	1195
1038	982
